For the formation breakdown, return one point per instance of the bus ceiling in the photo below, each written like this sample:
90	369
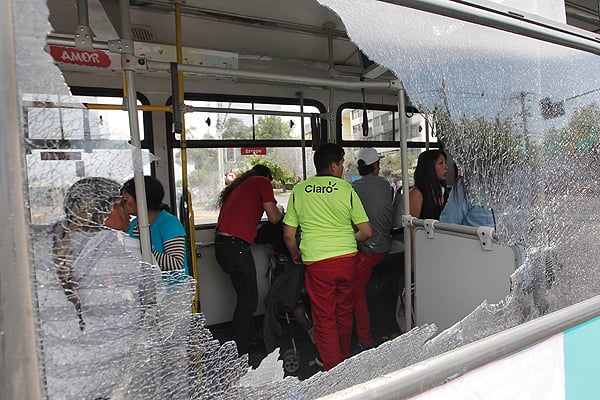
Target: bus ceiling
301	36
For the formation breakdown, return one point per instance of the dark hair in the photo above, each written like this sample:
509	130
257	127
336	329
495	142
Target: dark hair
325	155
364	169
257	170
154	192
426	179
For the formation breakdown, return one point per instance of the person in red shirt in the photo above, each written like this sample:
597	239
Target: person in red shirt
242	205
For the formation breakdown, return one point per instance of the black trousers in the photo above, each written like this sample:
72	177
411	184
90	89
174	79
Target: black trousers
235	258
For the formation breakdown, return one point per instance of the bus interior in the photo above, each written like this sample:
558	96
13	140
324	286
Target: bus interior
507	90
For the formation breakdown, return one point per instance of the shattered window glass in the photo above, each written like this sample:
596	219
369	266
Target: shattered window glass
519	117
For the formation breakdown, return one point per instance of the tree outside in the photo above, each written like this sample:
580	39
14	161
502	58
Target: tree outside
207	166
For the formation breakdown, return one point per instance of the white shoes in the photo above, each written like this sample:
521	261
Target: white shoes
311	334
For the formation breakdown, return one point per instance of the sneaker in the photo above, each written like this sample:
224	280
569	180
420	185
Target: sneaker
318	361
311	334
362	347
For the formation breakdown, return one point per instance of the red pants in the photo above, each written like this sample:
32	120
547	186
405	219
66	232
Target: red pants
330	286
366	262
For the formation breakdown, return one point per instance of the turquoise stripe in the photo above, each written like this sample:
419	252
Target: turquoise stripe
582	361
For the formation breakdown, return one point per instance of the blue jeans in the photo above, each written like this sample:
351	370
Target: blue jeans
235	258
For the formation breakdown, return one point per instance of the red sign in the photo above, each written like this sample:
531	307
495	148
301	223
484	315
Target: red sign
255	151
90	58
230	176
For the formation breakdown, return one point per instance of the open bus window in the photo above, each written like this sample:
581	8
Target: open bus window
224	140
373	123
390	164
210	170
246	121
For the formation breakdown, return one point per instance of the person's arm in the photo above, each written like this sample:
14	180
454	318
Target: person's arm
172	258
364	232
415	198
289	237
274	212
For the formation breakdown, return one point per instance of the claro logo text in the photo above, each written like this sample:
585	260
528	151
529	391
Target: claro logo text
320	189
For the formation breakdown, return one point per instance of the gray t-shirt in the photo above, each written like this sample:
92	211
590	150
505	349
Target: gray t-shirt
376	194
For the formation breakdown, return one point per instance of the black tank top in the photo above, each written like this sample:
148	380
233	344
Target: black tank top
431	210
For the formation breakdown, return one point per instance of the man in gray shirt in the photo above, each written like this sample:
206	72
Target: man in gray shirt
376	194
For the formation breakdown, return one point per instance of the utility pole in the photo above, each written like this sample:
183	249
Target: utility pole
522	97
445	97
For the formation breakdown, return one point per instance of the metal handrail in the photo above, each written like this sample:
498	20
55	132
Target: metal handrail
507	19
444	226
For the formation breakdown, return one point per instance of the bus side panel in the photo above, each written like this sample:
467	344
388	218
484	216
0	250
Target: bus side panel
217	297
454	275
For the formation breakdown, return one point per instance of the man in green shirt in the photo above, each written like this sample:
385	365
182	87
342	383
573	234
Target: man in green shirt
327	209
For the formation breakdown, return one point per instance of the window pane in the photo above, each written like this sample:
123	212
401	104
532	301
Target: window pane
51	172
383	126
220	124
208	171
390	165
59	120
82	143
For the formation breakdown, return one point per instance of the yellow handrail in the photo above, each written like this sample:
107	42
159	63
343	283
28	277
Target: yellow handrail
184	173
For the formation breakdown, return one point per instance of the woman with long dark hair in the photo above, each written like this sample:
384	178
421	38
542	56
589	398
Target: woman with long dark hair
429	193
166	232
242	205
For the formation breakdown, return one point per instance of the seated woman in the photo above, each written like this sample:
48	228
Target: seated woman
90	204
429	194
87	351
166	232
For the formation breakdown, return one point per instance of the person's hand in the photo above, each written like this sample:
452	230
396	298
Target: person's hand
281	211
297	257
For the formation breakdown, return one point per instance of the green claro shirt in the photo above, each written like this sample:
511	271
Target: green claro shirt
325	207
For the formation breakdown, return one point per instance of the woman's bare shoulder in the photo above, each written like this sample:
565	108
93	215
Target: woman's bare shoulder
415	192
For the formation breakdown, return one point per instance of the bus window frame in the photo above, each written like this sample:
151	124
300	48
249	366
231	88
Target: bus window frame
372	143
147	142
174	143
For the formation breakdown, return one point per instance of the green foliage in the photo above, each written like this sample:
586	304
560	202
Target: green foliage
272	127
280	174
490	153
205	173
391	166
478	144
581	133
235	128
392	162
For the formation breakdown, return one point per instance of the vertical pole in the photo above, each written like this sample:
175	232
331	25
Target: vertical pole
405	207
134	127
330	121
19	374
302	134
82	13
187	197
